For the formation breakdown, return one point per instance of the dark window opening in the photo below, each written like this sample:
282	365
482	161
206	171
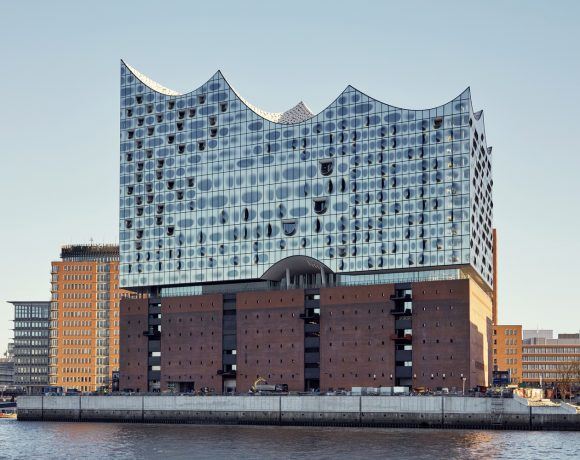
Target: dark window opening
129	112
190	182
170	184
191	113
139	212
201	99
181	114
150	131
289	227
320	205
170	139
128	223
139	234
159	174
201	145
223	106
170	231
129	157
437	122
149	108
139	99
213	132
159	118
181	148
170	105
179	125
140	121
150	199
159	220
130	134
212	121
130	190
326	167
179	195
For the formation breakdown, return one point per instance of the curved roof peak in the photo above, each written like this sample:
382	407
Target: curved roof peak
151	83
297	114
300	112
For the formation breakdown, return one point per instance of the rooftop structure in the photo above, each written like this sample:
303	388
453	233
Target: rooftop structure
215	190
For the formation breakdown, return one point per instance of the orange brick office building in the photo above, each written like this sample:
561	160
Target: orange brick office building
84	326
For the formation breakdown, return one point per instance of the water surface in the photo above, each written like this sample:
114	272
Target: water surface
55	440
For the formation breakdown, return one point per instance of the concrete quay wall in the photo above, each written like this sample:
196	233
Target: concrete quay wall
379	411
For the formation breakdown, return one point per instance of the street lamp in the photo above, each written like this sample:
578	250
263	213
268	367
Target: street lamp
463	380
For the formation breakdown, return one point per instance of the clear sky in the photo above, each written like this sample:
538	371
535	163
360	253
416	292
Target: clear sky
59	90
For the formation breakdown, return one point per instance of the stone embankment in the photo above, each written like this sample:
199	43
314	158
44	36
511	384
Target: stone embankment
369	411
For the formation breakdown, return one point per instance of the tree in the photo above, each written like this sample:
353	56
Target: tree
569	380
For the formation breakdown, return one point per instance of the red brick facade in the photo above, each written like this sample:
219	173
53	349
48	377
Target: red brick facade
450	332
270	337
191	344
133	350
355	329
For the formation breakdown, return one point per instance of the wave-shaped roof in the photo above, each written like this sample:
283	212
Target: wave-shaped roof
297	114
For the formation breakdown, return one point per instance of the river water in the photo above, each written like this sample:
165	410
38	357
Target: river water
51	440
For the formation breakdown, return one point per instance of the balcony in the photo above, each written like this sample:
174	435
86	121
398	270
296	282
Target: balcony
226	374
309	316
402	338
152	334
398	297
405	312
311	328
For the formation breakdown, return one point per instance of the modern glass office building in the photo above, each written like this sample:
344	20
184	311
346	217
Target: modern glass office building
219	196
31	344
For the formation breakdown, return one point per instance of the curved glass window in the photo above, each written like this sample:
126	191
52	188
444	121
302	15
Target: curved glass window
320	205
326	167
289	227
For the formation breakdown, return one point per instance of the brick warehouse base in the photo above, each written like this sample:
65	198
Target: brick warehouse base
367	411
425	334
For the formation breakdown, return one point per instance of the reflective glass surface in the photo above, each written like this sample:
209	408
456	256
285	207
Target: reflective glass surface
212	190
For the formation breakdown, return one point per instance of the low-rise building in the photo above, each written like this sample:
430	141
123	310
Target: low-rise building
507	350
549	360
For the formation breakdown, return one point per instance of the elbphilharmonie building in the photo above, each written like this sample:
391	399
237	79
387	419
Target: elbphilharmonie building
352	247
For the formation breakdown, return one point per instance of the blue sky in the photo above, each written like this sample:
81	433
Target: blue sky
59	115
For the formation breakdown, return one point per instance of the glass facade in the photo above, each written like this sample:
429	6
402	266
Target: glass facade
31	343
213	189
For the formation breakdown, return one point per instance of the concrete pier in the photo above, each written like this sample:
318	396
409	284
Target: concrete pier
375	411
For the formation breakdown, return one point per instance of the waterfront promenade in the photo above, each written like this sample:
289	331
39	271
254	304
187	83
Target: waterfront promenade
377	411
